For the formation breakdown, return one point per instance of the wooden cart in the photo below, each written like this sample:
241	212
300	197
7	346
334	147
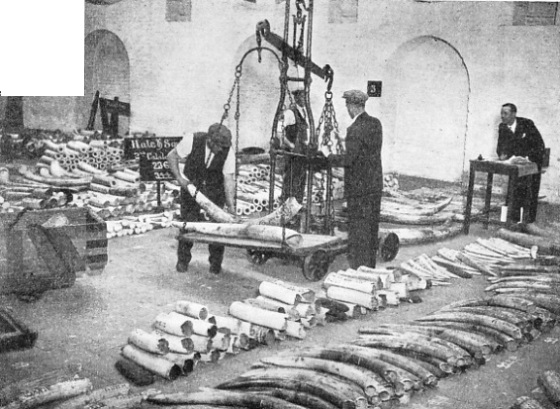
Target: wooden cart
315	253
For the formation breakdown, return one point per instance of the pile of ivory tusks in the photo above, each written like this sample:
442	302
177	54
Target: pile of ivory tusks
182	338
387	362
99	154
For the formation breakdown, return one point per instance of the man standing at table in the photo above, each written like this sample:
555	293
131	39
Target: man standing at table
520	137
210	166
363	181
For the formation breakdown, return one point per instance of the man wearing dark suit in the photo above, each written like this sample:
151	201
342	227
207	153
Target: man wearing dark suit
520	137
210	166
363	181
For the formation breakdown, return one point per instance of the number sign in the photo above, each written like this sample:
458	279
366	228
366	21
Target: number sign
152	156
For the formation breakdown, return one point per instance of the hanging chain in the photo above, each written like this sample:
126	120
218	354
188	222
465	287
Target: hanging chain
227	105
330	126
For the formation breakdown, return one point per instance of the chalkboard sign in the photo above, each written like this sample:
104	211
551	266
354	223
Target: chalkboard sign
152	156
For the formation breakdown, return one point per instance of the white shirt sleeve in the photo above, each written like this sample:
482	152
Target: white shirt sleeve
289	117
229	165
184	148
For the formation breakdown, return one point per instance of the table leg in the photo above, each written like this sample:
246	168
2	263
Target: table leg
488	198
467	215
512	182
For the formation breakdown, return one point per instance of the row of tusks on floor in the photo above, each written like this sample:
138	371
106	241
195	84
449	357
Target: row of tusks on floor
388	361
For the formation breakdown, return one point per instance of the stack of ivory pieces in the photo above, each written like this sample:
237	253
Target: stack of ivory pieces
97	154
280	310
138	224
436	270
368	289
253	187
184	337
483	257
319	193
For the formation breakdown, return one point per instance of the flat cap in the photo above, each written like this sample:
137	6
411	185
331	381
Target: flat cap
355	96
220	135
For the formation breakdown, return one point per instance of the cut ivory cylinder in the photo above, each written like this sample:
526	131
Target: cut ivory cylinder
340	280
174	325
192	309
352	296
262	335
79	146
382	278
221	341
182	345
86	167
149	342
186	362
279	292
307	295
128	177
394	274
289	309
233	324
295	329
258	316
391	296
104	180
198	326
151	362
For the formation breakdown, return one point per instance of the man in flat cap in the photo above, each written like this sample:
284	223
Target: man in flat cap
363	181
210	166
295	140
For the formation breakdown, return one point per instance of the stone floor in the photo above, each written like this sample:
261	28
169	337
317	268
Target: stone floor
82	328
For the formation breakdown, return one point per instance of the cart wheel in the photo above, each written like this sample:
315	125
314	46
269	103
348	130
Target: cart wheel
388	246
315	265
258	257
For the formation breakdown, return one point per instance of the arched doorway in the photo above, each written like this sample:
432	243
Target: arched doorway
425	110
107	69
259	95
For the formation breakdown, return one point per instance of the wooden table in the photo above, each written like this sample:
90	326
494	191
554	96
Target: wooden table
491	167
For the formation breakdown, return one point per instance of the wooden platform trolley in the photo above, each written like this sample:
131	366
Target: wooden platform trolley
315	253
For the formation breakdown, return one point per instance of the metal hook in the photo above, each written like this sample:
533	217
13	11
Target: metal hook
262	29
329	76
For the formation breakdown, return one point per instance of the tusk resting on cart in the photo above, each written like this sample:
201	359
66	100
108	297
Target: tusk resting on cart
269	234
284	213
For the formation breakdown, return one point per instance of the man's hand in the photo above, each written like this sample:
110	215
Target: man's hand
503	156
184	182
231	210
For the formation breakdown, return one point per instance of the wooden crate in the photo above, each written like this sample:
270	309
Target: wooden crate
32	255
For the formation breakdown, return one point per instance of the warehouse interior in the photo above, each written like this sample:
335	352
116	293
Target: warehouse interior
171	68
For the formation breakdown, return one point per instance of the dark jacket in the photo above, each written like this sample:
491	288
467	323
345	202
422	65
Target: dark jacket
297	133
209	181
363	172
526	141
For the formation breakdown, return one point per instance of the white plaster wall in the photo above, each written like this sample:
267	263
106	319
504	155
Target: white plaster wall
181	73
